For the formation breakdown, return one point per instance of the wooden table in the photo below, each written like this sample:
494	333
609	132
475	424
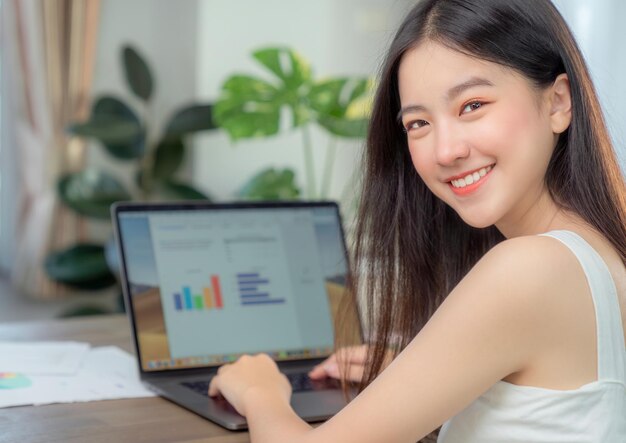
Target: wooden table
134	420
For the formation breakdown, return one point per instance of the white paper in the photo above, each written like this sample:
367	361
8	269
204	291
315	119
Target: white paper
107	373
42	358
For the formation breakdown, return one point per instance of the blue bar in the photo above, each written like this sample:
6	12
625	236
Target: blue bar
253	282
256	274
256	294
187	293
248	288
264	302
178	302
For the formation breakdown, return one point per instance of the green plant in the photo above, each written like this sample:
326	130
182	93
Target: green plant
127	135
251	107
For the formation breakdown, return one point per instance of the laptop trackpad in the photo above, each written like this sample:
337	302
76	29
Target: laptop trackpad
317	405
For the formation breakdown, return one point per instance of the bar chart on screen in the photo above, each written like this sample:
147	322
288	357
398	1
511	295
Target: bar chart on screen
218	279
206	298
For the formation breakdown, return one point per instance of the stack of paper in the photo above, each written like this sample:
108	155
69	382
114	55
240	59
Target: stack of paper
65	372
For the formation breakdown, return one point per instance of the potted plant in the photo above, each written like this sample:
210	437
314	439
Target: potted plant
250	107
127	135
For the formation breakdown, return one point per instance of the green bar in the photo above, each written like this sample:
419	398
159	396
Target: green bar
198	301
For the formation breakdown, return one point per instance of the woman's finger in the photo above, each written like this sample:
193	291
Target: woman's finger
354	356
213	387
319	370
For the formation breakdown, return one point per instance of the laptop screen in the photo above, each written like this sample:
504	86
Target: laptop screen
209	284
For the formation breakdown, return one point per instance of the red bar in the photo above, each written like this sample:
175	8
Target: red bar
215	281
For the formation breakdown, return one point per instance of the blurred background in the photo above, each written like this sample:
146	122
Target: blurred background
102	100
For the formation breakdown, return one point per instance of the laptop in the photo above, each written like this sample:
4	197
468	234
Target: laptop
205	283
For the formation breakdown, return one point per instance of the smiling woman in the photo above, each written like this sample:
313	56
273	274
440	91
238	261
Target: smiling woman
489	175
496	119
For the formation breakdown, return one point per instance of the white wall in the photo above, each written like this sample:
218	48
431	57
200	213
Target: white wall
598	26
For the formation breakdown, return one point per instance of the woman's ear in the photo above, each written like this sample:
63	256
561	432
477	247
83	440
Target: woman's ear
560	104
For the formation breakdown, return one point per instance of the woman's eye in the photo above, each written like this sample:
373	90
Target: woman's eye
415	124
472	106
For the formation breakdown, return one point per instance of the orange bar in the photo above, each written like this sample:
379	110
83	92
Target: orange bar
208	299
215	281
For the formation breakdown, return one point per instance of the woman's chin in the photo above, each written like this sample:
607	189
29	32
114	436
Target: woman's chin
477	221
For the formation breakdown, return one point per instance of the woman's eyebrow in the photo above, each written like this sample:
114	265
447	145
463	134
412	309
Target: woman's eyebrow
452	93
457	90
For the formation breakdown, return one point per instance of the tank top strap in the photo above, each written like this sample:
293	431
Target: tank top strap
609	328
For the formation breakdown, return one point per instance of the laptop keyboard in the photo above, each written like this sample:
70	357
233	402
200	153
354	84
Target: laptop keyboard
300	382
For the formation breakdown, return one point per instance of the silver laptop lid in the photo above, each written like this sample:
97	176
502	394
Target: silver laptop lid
206	283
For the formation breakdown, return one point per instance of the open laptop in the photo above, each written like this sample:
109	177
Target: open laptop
205	283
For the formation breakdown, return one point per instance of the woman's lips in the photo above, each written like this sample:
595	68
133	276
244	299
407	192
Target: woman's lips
471	182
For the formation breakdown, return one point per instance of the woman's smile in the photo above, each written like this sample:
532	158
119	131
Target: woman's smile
467	183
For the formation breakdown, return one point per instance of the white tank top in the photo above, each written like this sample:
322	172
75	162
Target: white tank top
593	413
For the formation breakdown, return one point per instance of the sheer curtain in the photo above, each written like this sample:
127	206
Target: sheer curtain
50	46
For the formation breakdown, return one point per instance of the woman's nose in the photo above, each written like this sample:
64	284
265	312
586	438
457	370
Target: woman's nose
450	146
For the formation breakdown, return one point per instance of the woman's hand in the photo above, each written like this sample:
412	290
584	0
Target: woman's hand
353	356
249	374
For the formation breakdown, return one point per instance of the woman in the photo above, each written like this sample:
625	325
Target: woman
491	246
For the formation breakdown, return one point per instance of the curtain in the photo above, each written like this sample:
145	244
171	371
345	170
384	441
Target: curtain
55	41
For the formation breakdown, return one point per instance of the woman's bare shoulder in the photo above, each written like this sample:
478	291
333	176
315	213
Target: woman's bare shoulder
527	261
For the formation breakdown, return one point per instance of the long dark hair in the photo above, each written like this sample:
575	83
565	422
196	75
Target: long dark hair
410	248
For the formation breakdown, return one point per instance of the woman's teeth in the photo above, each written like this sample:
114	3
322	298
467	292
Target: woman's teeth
471	178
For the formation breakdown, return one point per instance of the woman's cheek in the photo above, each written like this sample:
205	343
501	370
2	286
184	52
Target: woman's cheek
417	157
422	162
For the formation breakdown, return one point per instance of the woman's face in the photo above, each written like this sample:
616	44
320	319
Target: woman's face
479	134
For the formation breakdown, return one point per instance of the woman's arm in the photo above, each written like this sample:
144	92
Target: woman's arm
492	325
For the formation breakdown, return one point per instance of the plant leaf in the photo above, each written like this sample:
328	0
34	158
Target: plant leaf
252	124
294	72
168	157
137	73
334	100
91	193
83	265
248	107
343	127
271	184
191	119
324	96
333	97
286	64
114	124
84	310
105	129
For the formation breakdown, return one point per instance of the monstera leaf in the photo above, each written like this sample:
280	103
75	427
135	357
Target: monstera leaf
250	106
337	103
